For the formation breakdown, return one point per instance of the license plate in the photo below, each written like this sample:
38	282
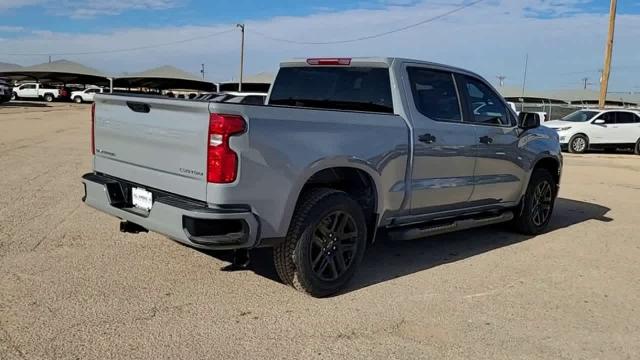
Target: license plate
141	198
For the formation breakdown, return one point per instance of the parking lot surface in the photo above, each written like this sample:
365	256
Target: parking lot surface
72	286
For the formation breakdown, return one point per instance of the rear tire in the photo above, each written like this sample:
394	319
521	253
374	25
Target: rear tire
578	144
325	243
77	100
48	97
537	205
637	148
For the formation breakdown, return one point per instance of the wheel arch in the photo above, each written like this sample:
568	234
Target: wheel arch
552	165
355	178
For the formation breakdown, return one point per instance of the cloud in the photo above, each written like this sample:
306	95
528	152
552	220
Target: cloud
15	4
490	38
92	8
10	29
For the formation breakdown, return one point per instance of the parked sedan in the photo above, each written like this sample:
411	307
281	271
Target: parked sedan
589	129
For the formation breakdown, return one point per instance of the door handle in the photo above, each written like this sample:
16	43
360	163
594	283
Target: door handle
486	140
427	138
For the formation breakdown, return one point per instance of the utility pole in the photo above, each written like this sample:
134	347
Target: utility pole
49	59
604	86
526	66
501	78
585	82
202	71
241	26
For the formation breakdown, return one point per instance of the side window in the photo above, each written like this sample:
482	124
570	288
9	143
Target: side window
434	93
28	87
608	117
92	91
637	119
485	104
625	118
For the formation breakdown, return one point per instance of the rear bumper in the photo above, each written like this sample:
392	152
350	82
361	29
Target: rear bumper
188	221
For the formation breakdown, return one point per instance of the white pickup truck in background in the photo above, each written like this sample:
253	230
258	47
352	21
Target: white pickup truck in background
38	91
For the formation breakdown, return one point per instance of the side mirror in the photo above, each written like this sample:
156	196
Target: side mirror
528	121
599	121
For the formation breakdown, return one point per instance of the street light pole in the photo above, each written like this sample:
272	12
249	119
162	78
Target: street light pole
241	26
604	86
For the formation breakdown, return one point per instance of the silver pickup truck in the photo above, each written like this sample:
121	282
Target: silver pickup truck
342	149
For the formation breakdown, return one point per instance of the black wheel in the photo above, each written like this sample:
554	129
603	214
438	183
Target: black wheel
325	243
535	212
48	97
637	148
77	99
14	96
578	144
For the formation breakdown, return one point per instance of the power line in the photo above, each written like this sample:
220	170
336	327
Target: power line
373	36
145	47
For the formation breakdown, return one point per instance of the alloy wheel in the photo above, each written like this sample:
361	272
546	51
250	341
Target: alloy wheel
334	245
579	144
542	203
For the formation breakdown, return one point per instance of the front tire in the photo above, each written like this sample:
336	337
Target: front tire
77	100
637	148
325	243
537	206
14	96
578	144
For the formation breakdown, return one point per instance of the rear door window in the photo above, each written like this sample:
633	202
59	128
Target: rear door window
338	88
434	93
625	118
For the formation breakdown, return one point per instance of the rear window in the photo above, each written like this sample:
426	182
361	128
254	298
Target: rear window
342	88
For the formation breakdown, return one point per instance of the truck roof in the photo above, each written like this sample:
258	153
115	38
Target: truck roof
373	62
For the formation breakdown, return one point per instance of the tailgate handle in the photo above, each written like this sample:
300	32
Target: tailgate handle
138	107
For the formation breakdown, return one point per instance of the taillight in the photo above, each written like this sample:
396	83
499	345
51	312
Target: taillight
222	162
93	128
332	61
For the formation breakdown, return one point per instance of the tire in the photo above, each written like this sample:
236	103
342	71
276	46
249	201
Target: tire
536	209
14	96
636	150
313	258
578	144
78	100
48	97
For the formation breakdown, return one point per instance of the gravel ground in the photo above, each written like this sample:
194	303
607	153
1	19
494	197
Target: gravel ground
72	286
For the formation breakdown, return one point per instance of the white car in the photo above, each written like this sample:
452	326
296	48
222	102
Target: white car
85	95
586	129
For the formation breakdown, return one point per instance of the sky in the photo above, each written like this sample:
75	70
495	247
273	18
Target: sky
564	39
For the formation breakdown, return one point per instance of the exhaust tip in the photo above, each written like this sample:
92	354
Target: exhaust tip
131	228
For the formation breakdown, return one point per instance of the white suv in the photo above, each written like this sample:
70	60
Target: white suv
585	129
86	95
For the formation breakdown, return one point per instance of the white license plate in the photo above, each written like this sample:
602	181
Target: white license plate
141	198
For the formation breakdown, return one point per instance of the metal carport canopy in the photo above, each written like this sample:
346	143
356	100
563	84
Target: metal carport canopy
163	78
62	71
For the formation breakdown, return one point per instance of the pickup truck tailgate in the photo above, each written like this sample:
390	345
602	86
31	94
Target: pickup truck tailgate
155	142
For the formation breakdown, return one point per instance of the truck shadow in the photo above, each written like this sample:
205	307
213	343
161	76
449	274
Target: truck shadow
386	260
21	103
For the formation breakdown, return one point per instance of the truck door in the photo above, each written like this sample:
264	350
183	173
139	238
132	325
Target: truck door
28	91
499	174
444	147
